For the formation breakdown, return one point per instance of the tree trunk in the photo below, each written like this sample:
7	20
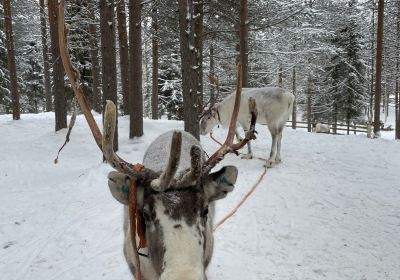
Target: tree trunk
154	72
335	118
397	101
11	59
58	91
94	56
135	69
294	111
244	40
198	44
378	76
212	73
46	64
109	73
309	108
397	96
280	77
189	71
386	102
371	98
123	54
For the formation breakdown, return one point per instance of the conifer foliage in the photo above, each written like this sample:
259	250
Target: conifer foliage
323	51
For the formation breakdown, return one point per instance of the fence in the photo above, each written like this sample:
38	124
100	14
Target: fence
358	128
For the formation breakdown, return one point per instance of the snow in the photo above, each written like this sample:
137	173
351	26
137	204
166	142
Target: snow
331	210
391	120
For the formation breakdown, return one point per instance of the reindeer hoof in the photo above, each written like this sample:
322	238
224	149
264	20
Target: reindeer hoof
270	164
278	160
248	156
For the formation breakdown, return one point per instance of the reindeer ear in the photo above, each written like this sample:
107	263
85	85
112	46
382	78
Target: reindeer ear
220	183
119	186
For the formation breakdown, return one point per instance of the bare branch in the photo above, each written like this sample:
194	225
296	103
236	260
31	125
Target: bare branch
71	125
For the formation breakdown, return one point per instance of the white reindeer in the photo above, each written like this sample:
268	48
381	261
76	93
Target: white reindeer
321	128
274	106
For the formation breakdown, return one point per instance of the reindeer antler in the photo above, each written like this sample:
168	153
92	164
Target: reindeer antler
213	99
73	76
110	115
228	146
215	82
196	154
105	143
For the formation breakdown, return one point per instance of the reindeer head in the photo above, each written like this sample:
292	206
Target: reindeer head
175	196
210	116
176	208
209	119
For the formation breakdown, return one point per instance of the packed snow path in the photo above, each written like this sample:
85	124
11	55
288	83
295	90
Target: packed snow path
331	210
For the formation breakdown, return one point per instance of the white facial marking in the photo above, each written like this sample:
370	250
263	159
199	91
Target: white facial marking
183	256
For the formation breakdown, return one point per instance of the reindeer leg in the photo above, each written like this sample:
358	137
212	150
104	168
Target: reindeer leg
278	158
274	146
238	137
249	152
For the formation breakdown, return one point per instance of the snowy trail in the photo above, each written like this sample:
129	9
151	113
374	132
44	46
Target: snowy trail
331	210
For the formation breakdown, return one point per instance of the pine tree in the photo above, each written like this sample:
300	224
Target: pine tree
154	58
135	65
11	60
58	91
33	98
45	54
378	76
5	94
346	74
189	67
109	74
123	54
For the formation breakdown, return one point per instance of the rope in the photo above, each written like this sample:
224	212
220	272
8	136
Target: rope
248	194
133	219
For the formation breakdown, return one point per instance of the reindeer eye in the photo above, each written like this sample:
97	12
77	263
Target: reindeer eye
146	216
205	213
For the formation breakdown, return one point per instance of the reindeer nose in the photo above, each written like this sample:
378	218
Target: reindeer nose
185	275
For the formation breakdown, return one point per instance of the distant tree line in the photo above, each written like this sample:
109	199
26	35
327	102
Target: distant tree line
152	58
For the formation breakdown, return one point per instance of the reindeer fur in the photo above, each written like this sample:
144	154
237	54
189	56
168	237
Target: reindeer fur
180	239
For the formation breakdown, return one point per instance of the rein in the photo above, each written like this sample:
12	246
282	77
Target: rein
241	202
134	220
244	198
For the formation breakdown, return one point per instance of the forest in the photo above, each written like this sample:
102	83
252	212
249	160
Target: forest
327	53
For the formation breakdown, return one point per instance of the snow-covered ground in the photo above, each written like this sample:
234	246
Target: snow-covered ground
389	121
331	210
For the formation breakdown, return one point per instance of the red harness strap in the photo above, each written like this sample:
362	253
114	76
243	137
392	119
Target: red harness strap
140	231
133	220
